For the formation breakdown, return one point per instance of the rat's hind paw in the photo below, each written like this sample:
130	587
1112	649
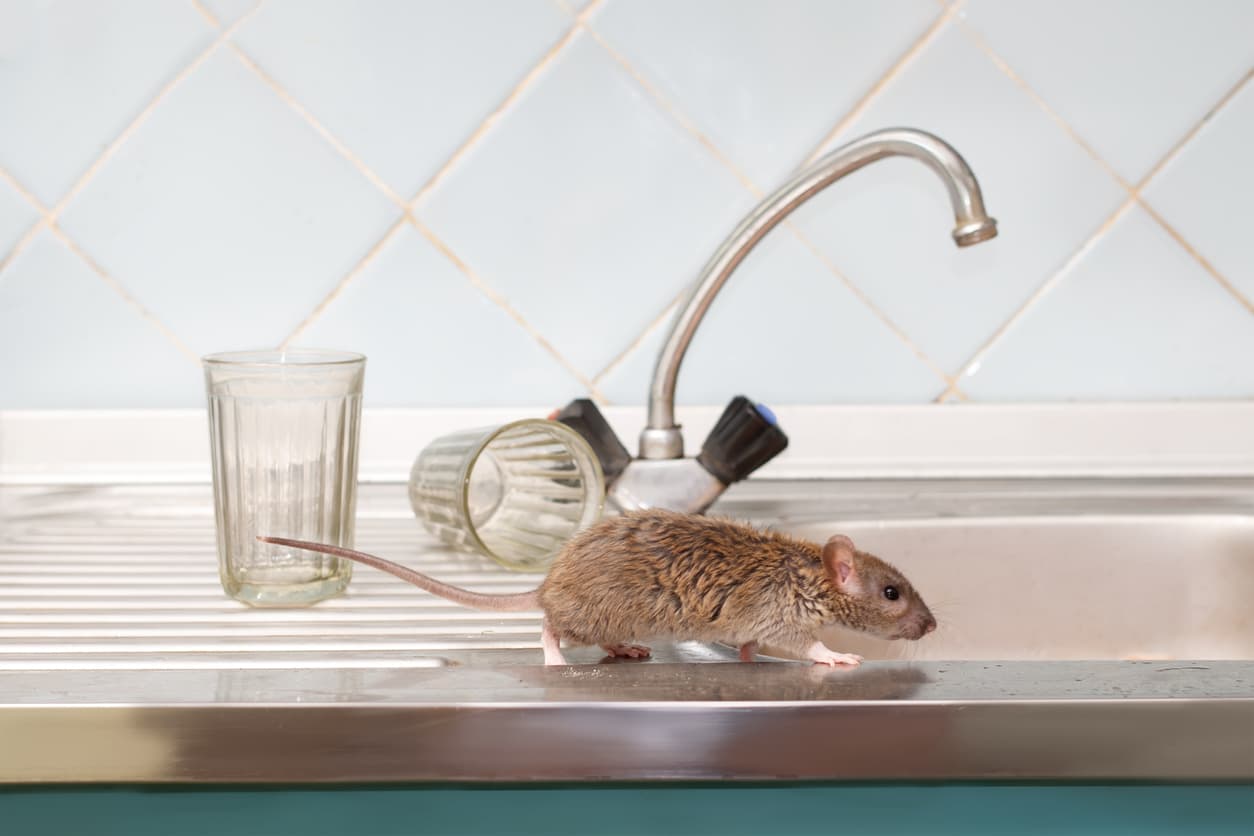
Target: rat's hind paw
630	651
824	655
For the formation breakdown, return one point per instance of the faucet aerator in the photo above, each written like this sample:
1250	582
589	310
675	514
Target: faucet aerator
975	232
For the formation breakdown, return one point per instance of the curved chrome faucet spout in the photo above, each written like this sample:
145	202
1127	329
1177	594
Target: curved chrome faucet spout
661	438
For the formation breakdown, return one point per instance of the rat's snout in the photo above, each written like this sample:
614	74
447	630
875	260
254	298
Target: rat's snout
921	627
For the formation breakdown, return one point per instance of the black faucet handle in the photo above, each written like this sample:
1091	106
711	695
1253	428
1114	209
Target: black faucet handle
583	416
746	437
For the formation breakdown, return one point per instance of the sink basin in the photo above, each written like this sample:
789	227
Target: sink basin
1129	587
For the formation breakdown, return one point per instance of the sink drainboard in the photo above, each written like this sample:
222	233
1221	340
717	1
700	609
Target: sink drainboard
126	579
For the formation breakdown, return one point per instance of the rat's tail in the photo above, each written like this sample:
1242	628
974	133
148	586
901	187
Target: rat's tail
476	600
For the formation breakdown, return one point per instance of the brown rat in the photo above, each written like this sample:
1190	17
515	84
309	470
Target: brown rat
664	575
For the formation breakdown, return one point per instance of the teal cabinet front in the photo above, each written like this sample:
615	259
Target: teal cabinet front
876	810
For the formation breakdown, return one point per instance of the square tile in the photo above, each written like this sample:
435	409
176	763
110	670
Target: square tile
403	84
887	227
1205	192
1131	77
69	341
586	207
73	75
17	216
783	330
765	81
1137	319
226	214
432	339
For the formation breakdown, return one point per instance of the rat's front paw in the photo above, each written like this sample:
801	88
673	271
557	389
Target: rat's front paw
824	655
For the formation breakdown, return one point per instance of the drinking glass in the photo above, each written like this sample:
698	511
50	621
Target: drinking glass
283	428
515	492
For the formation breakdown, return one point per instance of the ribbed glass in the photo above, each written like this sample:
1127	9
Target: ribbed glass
515	493
283	429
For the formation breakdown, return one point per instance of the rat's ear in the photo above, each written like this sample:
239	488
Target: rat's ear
839	557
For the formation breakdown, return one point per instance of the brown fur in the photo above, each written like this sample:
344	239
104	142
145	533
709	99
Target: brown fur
665	575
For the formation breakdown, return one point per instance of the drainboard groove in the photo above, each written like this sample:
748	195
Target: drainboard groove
370	630
129	582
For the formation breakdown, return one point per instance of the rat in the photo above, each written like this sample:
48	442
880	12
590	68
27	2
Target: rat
658	574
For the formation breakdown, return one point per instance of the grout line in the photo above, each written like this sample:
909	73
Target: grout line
1167	159
1192	132
34	228
30	234
343	283
206	14
22	243
674	112
121	291
1045	287
891	75
641	338
1206	265
979	41
130	129
44	218
322	131
500	301
491	119
48	221
23	191
870	304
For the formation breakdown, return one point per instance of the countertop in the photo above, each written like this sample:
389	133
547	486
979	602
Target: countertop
121	660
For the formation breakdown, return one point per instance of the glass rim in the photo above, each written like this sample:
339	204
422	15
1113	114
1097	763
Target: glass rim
577	441
284	358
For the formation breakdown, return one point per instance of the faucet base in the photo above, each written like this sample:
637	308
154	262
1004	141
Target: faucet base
672	484
658	443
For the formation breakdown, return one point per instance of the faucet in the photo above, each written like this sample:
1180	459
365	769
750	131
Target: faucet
747	436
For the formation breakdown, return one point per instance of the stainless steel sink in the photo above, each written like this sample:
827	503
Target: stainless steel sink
1090	629
1101	586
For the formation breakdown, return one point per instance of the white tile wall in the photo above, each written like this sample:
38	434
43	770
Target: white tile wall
1190	192
401	82
888	227
820	333
500	200
228	240
69	340
600	207
1174	333
73	75
1130	76
407	312
719	61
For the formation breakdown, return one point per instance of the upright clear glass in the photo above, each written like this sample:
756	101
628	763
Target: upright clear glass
515	493
283	429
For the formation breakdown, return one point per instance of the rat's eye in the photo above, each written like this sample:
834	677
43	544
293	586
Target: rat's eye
891	593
